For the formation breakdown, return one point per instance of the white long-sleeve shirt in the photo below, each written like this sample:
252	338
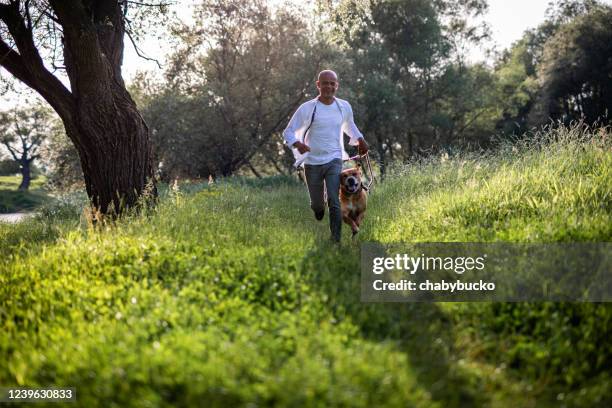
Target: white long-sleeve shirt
325	136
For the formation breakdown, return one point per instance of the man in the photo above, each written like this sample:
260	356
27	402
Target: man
316	134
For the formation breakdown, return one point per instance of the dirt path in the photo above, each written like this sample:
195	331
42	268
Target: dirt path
14	217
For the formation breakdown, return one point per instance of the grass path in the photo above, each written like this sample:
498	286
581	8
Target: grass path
14	217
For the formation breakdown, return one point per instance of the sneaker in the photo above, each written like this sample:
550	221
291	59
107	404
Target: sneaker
319	215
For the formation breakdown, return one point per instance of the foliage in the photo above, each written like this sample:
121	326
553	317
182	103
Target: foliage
466	112
575	71
239	73
515	87
8	167
62	162
232	295
411	88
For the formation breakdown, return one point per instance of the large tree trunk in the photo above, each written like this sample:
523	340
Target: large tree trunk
115	153
108	131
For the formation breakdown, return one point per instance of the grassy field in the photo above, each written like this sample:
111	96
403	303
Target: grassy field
232	295
12	200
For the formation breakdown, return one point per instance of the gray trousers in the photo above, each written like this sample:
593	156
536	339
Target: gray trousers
326	175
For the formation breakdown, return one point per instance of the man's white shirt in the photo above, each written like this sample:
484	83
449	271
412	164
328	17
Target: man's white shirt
325	136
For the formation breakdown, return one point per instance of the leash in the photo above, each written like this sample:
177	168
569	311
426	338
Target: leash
359	158
301	170
314	111
302	174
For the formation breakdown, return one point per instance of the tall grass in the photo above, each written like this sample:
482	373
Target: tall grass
232	294
550	189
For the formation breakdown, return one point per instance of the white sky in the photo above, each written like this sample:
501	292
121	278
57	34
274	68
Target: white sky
508	20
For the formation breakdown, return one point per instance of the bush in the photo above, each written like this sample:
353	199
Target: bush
9	168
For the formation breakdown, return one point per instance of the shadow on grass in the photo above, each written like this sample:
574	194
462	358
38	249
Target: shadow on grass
12	201
420	330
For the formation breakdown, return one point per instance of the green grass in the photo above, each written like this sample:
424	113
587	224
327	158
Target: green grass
12	200
233	295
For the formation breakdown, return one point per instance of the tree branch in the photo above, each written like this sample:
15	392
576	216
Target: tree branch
26	8
11	151
49	16
162	4
27	65
93	41
138	51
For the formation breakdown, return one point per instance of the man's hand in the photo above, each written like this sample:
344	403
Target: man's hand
363	146
302	148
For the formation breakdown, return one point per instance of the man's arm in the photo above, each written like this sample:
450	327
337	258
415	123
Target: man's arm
356	137
296	125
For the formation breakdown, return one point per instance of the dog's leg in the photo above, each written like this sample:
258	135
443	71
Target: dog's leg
354	227
351	222
359	218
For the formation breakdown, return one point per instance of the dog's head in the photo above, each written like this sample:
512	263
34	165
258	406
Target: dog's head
350	179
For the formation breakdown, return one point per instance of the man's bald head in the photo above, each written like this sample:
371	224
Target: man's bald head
327	73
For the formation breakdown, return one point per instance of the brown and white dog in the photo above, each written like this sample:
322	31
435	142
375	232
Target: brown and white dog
353	197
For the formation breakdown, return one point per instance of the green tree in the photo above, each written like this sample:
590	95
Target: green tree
22	133
515	87
403	54
8	167
574	74
370	83
184	131
61	159
516	70
465	110
564	11
240	72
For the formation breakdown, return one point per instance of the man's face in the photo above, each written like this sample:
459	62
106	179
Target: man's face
327	85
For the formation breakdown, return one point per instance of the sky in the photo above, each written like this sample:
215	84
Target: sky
510	18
